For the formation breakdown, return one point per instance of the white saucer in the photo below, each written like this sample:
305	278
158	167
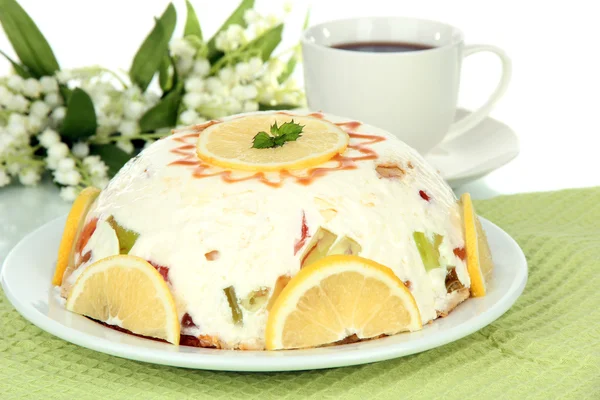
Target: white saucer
26	277
487	147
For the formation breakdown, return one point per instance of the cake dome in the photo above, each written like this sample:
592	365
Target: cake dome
228	222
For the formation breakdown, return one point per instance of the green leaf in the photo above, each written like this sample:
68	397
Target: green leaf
263	141
112	156
275	129
289	68
192	25
80	120
30	45
150	54
165	79
267	42
19	69
291	128
276	107
306	19
164	114
237	18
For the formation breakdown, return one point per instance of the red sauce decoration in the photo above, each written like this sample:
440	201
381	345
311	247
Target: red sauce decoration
359	143
303	235
187	321
162	270
460	252
86	234
424	195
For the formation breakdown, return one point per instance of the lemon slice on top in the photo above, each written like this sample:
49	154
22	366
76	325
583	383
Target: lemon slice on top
337	297
129	292
229	144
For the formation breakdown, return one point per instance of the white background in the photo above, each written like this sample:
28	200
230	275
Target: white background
552	103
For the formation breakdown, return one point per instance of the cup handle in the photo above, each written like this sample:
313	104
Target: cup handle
464	124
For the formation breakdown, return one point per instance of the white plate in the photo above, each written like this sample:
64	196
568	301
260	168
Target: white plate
28	269
485	148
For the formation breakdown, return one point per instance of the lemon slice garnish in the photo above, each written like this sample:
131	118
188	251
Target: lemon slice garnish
129	292
337	297
229	144
479	256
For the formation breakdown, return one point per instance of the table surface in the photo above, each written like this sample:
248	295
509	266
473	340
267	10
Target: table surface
551	104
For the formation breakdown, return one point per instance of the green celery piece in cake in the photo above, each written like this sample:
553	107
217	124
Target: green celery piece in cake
429	251
127	238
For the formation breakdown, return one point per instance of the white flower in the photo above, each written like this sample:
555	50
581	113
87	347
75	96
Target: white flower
13	168
68	193
4	178
232	38
53	100
39	109
256	65
184	65
228	76
64	76
251	16
80	150
201	67
133	92
189	117
128	128
193	100
5	96
214	86
17	125
89	161
58	151
32	88
18	103
133	109
288	6
245	92
182	48
29	177
48	138
243	71
66	164
98	169
250	106
194	84
58	114
15	82
34	123
71	177
126	146
49	84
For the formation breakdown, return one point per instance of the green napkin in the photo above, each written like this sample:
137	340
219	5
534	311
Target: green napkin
547	346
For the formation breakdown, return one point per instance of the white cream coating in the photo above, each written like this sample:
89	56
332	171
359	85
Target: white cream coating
254	227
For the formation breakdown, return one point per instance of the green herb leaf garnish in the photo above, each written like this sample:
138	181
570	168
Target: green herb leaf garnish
287	132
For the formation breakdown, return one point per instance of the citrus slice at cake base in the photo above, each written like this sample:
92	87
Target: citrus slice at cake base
337	297
128	292
72	231
229	144
479	255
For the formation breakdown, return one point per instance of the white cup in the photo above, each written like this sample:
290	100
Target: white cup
411	94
